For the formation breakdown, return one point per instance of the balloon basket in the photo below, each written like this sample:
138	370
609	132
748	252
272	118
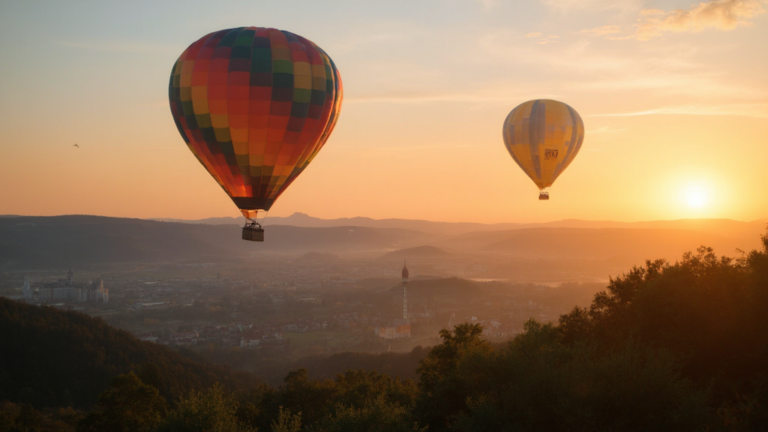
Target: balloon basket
543	196
252	231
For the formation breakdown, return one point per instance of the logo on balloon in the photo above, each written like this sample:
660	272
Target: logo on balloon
550	154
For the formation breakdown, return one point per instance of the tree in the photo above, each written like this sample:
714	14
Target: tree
300	394
441	393
287	422
707	311
377	415
538	383
356	388
128	405
20	418
208	411
25	418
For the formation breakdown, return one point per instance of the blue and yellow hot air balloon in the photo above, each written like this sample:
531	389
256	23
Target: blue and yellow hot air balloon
543	136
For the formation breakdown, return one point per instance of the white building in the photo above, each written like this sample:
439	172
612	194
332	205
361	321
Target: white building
66	289
26	292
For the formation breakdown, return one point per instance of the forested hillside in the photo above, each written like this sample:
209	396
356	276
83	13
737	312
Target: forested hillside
54	358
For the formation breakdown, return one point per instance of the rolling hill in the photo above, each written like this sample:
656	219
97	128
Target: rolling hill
55	358
29	241
726	227
416	252
61	241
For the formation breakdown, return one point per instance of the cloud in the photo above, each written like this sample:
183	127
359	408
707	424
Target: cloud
489	4
742	110
651	80
543	40
605	130
602	31
717	14
400	97
481	96
374	34
117	46
565	6
648	71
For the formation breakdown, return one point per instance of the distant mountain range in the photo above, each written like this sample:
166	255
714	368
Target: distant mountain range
416	252
31	241
726	227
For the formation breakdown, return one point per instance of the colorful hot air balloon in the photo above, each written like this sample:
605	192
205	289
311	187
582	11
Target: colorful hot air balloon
543	136
254	105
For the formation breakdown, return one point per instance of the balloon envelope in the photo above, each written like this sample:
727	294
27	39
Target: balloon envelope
543	136
254	105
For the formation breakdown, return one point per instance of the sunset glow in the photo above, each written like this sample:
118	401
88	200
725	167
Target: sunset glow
695	196
666	93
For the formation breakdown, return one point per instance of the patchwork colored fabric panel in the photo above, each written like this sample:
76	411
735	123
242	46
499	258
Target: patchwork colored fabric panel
543	136
254	105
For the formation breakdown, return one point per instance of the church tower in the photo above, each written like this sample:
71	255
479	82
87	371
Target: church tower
405	291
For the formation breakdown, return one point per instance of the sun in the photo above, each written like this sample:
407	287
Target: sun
695	196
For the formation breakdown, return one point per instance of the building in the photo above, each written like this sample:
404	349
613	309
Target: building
421	317
405	291
397	329
26	292
68	290
401	328
185	338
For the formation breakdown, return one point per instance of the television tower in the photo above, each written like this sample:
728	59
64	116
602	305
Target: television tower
405	291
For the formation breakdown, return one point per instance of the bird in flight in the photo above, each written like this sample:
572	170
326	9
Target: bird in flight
77	146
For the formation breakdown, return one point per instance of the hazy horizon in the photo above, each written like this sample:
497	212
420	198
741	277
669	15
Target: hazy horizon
238	217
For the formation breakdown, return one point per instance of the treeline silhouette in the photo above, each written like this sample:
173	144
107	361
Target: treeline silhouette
667	346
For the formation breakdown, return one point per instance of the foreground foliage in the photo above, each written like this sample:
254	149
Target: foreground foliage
537	383
708	312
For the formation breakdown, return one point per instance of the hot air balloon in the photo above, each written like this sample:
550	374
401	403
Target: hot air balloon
254	106
543	136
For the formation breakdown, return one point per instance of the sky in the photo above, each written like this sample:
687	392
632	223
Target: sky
673	94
